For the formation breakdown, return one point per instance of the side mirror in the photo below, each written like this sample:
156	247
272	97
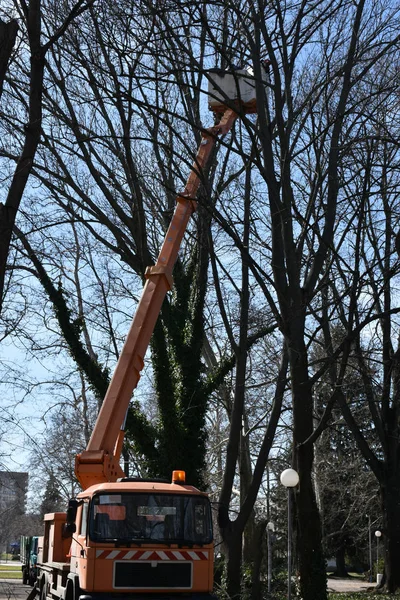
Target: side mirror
72	510
68	530
70	526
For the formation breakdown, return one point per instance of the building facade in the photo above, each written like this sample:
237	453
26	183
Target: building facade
13	489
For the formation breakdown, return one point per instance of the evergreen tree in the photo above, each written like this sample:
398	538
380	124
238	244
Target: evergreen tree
52	499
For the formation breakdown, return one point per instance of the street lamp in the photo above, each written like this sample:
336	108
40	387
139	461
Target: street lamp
289	478
377	535
270	532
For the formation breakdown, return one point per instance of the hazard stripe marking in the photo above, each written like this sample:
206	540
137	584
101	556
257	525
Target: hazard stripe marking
153	555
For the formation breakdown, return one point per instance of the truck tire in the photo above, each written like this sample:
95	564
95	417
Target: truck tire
72	589
69	591
43	588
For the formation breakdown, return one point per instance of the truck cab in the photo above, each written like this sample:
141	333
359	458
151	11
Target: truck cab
132	538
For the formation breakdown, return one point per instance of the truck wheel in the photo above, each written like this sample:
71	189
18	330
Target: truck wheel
69	591
72	590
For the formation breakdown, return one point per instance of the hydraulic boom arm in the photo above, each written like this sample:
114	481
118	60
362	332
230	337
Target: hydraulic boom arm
99	463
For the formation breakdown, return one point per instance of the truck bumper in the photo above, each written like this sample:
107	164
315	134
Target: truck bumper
141	596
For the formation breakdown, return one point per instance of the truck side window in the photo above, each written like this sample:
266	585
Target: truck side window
85	508
199	519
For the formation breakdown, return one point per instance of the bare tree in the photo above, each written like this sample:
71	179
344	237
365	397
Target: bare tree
276	195
306	118
32	15
374	279
96	178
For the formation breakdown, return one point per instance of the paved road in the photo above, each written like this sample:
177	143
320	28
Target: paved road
13	590
349	585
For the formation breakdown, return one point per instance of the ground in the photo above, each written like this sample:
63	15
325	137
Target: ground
15	590
348	585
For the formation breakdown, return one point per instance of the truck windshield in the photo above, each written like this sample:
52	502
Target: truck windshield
160	518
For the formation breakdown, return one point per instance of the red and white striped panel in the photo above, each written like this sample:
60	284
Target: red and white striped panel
152	554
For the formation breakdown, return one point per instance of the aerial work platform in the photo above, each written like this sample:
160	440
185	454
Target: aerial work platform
237	87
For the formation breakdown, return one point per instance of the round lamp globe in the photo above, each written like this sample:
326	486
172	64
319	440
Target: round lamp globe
289	478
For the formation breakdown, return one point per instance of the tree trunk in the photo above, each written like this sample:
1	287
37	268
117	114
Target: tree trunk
390	497
8	35
250	548
341	570
309	538
309	549
259	549
234	564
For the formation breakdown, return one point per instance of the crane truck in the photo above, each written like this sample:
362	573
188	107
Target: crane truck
127	538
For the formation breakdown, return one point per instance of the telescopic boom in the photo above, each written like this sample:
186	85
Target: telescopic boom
99	463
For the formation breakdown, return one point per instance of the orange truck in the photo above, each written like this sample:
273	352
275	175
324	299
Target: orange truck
130	538
125	538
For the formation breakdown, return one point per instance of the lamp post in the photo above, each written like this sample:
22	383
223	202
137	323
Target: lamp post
289	478
270	532
377	535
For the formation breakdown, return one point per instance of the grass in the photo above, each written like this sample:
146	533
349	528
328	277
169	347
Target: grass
353	596
10	571
361	596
